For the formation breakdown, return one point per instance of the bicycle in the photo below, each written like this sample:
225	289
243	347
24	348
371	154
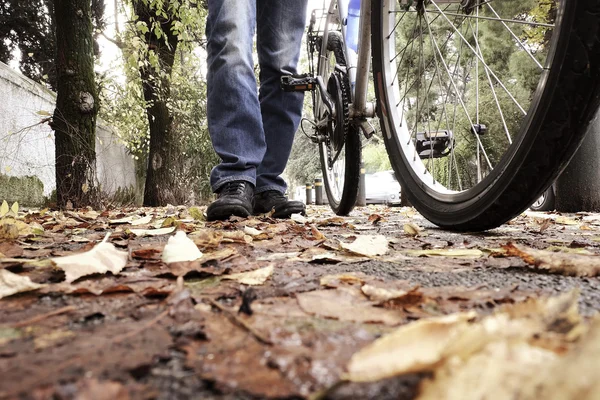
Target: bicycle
481	103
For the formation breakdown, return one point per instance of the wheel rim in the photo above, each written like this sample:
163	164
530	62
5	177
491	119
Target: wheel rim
538	203
444	78
333	160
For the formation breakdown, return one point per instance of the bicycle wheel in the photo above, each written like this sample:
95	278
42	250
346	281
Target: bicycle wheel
482	103
340	151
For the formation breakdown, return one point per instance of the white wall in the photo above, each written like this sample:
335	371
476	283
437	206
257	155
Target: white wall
27	147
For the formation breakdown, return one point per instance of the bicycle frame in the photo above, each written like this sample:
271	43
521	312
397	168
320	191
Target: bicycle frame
358	64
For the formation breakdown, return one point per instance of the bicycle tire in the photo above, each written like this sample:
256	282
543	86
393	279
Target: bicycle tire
342	201
553	129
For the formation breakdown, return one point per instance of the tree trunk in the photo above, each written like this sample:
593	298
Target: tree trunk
160	186
74	120
578	187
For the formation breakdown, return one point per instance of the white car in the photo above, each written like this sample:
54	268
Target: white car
382	188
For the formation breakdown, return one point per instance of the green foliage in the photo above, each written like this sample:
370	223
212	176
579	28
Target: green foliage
125	105
375	158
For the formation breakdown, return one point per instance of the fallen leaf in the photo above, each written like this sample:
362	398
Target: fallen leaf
414	347
563	263
236	237
152	232
8	249
317	233
333	221
375	219
347	304
180	248
124	220
411	229
104	257
8	230
380	295
255	233
4	208
367	245
11	283
206	238
299	218
502	368
142	221
51	338
334	281
429	344
196	214
252	278
565	221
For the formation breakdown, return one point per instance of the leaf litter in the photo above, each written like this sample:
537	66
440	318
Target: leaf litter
284	308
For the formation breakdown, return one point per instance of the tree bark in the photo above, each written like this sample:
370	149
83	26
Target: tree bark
74	120
160	186
578	187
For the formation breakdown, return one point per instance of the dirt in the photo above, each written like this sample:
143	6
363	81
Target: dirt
242	322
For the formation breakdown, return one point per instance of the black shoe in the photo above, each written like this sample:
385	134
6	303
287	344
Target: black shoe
234	198
265	202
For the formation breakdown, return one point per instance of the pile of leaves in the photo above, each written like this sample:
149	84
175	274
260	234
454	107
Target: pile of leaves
145	303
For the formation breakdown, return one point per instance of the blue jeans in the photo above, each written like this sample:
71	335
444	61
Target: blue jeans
252	130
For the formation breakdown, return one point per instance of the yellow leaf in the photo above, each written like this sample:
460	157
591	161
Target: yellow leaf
15	209
412	229
85	187
196	213
4	209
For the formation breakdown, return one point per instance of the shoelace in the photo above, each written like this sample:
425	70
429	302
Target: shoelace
234	189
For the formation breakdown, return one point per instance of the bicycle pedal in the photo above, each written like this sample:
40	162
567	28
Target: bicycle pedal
298	83
434	144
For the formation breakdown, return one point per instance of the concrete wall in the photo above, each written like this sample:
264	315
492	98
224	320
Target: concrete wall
27	146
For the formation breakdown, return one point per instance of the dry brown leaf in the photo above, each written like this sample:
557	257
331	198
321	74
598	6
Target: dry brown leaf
9	249
375	219
333	221
252	278
104	257
11	283
206	238
334	281
236	237
367	245
562	263
317	233
347	304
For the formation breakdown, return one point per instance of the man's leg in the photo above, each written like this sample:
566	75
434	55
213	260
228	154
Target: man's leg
233	110
234	117
280	26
